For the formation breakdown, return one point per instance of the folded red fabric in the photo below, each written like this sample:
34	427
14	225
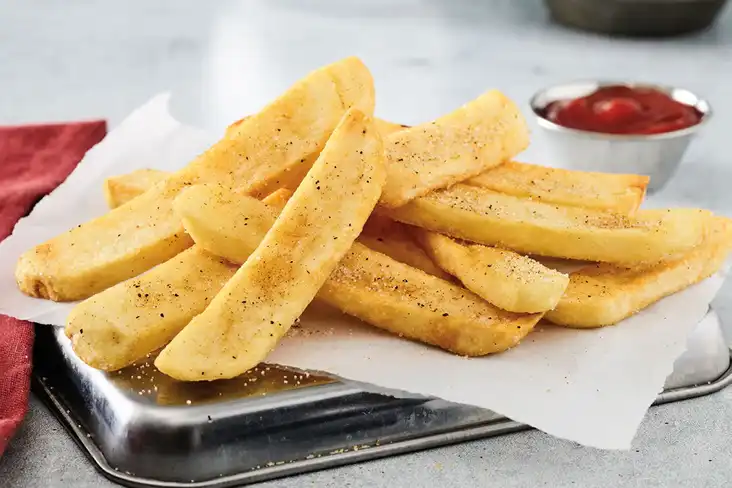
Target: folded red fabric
34	160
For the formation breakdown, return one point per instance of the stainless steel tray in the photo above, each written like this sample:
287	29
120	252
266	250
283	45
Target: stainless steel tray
141	428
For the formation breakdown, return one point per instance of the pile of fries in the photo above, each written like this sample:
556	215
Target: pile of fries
430	232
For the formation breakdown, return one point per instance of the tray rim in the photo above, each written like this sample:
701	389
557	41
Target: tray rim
495	427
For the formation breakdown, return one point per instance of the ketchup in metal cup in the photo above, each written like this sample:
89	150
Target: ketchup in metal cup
623	110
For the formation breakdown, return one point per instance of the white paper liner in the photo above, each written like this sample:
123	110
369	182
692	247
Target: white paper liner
589	386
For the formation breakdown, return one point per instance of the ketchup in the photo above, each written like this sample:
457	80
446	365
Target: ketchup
623	110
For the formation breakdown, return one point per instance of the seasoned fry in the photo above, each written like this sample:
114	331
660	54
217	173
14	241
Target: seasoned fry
405	301
145	232
268	293
372	286
290	178
504	278
394	239
531	227
462	144
245	235
94	256
601	191
603	294
281	137
121	189
123	323
134	318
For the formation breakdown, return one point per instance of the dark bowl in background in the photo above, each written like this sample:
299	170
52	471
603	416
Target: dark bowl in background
636	18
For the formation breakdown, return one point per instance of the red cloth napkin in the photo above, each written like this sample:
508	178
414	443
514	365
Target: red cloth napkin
33	161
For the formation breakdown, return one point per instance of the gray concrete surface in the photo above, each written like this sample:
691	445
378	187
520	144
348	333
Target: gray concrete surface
63	60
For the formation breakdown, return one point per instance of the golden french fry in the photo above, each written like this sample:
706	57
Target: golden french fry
406	301
145	232
243	237
292	178
394	239
369	285
98	254
268	293
284	134
531	227
462	144
124	323
601	191
603	294
121	189
504	278
134	318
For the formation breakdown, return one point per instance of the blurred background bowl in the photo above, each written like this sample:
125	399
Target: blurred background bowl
656	155
636	17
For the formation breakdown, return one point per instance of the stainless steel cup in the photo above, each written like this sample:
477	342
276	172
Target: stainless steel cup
656	155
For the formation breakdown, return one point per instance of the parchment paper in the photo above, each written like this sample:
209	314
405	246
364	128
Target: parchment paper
591	386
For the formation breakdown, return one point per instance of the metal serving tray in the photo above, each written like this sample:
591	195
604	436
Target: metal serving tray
141	428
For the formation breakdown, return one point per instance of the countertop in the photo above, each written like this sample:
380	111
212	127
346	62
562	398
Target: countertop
76	60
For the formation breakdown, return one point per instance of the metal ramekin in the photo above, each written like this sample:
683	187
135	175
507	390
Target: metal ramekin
656	155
